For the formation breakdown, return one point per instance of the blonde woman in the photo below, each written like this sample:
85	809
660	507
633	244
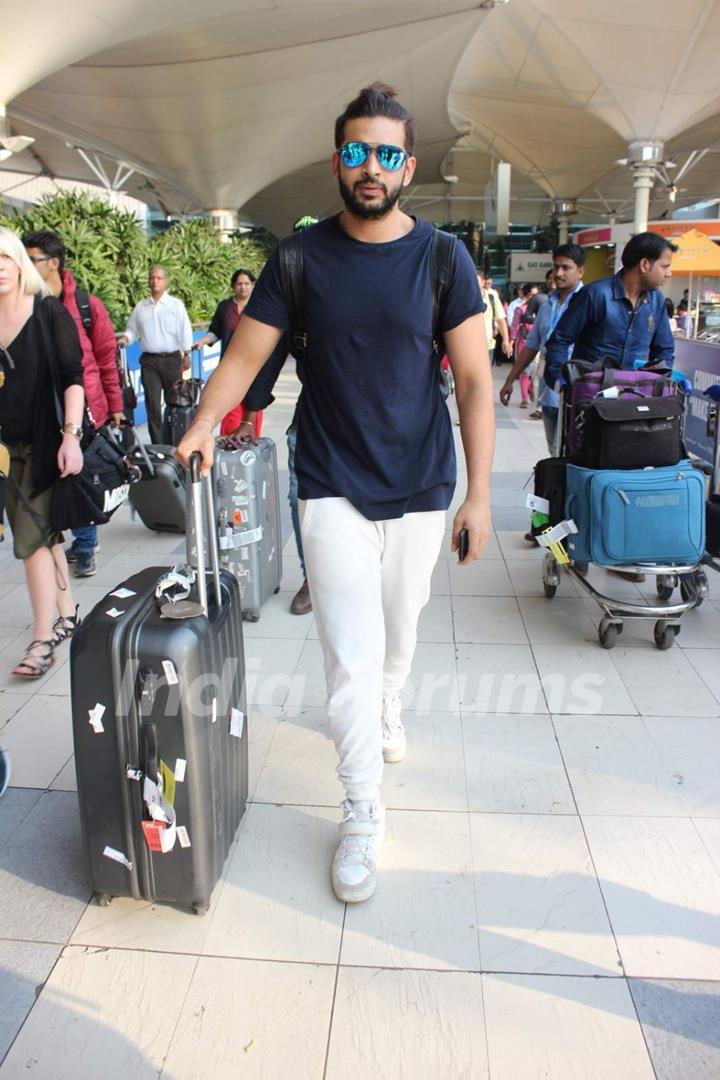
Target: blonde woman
40	357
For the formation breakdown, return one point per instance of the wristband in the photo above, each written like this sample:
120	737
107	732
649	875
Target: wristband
71	429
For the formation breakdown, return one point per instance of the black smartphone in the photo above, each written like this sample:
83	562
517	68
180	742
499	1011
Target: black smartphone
462	544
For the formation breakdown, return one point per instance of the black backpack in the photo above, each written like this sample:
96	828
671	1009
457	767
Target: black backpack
292	277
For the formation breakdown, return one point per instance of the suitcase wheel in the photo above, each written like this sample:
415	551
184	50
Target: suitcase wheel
609	631
201	907
251	615
102	899
277	590
665	634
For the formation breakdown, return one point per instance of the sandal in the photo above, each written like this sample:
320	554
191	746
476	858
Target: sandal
37	664
65	627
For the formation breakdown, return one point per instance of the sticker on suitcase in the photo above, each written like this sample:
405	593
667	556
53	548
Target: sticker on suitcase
95	716
117	856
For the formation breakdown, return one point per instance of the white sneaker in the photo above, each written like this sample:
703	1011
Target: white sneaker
355	863
394	741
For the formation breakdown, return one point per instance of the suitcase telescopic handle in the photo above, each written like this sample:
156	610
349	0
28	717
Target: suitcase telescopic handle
136	446
201	492
149	749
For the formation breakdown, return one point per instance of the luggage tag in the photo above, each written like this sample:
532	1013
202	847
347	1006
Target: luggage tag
158	836
536	502
168	782
552	540
180	609
172	592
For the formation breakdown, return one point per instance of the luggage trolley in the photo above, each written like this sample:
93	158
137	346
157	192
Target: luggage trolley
698	584
666	616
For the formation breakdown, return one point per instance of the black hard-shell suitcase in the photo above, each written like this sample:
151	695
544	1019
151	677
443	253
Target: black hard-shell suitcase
176	421
157	697
183	403
159	498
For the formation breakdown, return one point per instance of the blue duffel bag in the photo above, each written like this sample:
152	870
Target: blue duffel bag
628	516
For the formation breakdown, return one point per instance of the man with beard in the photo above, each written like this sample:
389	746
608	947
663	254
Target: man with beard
375	458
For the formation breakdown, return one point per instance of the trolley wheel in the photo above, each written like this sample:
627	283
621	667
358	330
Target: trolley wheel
201	907
609	632
251	615
551	576
277	590
664	591
102	899
665	634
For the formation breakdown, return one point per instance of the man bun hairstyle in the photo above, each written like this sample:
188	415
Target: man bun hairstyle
49	243
573	252
377	100
645	245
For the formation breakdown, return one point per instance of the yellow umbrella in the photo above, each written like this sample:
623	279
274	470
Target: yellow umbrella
696	254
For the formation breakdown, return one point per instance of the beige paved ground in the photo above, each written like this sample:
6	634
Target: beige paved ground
549	905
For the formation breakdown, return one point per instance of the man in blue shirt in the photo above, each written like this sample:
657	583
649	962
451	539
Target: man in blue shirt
375	459
568	269
623	316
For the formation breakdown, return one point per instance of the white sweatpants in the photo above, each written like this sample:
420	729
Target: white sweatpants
369	581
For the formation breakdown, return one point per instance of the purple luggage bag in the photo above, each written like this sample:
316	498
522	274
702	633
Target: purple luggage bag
585	381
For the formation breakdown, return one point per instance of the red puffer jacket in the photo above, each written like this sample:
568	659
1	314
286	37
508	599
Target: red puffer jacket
100	373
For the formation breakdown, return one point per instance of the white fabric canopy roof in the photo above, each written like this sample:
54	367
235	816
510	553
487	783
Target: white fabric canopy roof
232	105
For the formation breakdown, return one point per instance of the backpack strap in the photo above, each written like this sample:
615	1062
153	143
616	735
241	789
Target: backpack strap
442	259
292	278
82	299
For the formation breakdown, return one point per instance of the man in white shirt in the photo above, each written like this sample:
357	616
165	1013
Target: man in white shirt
163	328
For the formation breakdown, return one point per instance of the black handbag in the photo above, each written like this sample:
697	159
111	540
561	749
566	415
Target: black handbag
630	432
184	392
93	495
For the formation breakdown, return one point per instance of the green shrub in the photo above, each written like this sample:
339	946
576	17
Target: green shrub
109	253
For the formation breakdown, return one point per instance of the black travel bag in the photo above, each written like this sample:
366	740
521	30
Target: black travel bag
630	432
160	730
92	496
550	485
159	498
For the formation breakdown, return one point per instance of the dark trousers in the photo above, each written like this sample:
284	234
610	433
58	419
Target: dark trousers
158	372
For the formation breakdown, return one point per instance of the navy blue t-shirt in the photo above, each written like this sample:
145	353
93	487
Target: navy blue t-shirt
374	427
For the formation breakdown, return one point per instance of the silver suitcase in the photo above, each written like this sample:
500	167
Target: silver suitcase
248	519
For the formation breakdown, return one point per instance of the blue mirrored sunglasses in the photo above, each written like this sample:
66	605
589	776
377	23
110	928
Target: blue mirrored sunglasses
353	154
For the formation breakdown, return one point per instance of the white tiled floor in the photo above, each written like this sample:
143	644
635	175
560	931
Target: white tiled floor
553	835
